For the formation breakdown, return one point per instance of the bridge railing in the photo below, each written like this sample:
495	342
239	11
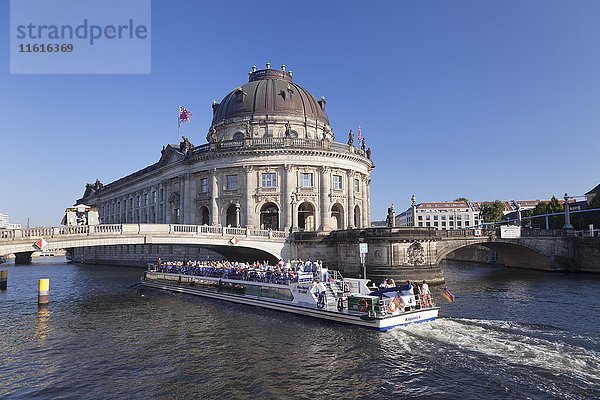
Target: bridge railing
106	229
71	230
136	229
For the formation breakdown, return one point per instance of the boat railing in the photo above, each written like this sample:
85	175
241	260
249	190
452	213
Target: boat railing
336	275
250	275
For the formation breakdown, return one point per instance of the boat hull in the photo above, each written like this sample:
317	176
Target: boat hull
380	324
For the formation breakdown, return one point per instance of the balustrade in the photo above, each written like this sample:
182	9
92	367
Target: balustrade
275	142
137	229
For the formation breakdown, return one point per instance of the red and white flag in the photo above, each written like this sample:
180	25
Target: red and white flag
359	133
184	115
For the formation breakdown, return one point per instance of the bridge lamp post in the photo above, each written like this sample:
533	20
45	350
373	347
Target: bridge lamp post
293	204
567	214
237	213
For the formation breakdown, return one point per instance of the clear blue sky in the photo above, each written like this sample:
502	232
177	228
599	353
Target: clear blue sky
483	99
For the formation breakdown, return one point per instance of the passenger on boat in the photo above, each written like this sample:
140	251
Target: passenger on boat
383	285
425	288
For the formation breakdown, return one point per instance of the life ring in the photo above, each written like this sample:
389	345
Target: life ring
426	300
392	307
363	305
340	304
321	300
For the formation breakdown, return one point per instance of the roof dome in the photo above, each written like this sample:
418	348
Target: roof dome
269	92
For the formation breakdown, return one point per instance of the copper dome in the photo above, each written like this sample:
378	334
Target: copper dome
270	92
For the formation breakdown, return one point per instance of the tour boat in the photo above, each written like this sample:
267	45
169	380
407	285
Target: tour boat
322	294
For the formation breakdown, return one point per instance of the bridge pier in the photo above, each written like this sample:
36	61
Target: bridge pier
23	258
398	253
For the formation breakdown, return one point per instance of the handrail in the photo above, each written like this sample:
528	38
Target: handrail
9	235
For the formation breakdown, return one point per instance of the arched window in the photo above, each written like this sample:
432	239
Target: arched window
203	216
337	216
238	137
357	219
269	216
231	217
306	217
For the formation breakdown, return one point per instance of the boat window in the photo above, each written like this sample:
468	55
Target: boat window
253	290
285	294
269	292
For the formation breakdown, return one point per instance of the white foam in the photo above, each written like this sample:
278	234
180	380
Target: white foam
514	347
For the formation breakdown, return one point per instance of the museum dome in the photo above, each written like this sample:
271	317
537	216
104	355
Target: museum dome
270	92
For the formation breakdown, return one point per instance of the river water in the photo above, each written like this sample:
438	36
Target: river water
510	334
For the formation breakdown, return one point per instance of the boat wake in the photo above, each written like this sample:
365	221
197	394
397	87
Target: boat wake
545	358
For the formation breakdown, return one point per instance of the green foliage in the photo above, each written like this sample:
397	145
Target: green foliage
492	212
548	207
462	199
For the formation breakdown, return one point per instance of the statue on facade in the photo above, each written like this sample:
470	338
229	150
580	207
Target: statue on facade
327	133
369	153
212	135
185	145
350	138
390	220
247	130
288	129
362	144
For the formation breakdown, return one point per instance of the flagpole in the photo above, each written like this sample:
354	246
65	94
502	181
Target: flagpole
178	126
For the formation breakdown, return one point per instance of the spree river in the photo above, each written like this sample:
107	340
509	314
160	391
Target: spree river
510	334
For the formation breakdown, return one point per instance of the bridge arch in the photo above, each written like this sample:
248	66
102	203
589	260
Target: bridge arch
511	254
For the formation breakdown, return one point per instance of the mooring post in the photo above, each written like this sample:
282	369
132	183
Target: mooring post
43	289
3	279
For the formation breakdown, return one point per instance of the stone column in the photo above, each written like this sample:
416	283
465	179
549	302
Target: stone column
192	206
248	219
368	200
188	203
350	178
168	191
365	198
286	207
325	191
214	195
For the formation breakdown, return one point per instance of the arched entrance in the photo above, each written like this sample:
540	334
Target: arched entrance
306	217
357	219
269	217
203	216
230	216
337	216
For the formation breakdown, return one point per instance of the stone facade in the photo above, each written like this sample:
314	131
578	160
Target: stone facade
271	162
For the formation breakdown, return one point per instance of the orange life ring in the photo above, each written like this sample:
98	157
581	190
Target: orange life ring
426	300
392	307
363	305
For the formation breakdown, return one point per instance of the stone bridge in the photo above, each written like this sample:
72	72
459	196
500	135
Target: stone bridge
233	243
416	253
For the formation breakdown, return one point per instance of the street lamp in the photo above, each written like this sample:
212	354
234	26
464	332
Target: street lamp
237	213
567	215
293	210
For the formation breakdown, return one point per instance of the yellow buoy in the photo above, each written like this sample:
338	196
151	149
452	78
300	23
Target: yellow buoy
43	289
3	279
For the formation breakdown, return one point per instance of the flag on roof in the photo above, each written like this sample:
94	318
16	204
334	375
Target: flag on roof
359	133
184	115
448	295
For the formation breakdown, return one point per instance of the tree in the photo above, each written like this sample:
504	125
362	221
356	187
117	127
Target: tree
462	199
549	207
492	212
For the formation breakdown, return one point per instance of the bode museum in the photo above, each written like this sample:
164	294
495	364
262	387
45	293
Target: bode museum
271	161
